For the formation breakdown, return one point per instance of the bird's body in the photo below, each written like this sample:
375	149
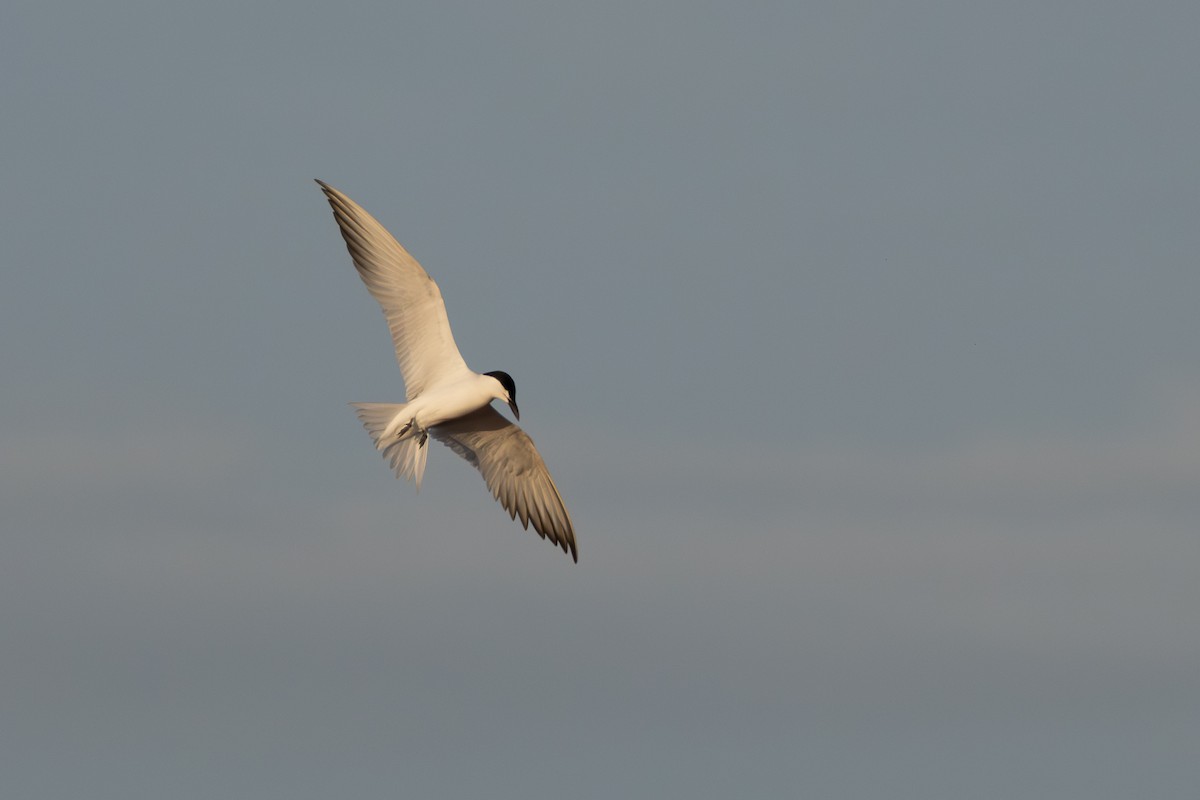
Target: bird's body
445	398
446	401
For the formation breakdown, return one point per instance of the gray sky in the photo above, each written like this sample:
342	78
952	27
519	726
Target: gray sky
861	340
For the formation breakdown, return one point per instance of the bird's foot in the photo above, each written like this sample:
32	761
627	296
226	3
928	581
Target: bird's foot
411	425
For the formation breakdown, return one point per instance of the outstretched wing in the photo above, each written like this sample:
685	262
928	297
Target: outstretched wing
514	471
410	299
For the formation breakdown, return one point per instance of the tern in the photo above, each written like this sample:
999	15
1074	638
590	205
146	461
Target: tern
445	399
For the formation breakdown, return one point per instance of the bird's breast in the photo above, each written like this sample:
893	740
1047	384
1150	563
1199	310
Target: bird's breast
444	403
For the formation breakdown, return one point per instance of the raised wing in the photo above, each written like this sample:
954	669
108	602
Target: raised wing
514	471
410	299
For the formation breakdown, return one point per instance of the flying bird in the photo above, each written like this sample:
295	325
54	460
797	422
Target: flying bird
445	398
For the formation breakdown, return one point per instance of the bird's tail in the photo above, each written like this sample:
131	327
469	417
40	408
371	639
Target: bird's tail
406	453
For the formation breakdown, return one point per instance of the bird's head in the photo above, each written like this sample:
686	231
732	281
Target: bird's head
508	390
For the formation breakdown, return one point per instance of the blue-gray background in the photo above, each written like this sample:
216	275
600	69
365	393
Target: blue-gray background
861	339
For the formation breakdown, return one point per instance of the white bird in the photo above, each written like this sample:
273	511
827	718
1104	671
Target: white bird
445	398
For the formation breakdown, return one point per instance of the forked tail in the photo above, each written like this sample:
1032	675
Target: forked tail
406	454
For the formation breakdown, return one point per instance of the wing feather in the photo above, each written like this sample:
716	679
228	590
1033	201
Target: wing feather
410	299
513	470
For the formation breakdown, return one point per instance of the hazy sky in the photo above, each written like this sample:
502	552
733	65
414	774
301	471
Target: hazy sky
861	339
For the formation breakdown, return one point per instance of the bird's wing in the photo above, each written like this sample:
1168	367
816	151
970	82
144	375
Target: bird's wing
410	299
514	471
